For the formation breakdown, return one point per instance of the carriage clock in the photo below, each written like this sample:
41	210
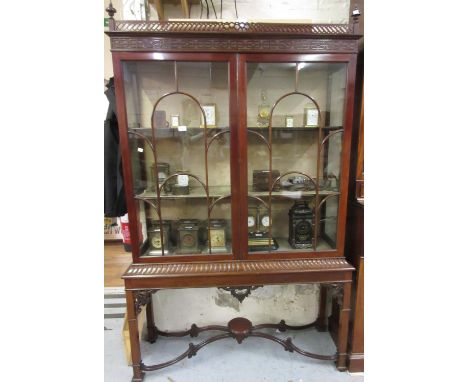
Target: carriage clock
188	236
218	235
182	185
162	172
258	224
301	225
154	237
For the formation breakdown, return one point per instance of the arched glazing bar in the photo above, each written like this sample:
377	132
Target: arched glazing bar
153	136
326	140
270	145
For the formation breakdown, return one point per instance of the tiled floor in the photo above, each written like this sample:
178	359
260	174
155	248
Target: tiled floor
254	360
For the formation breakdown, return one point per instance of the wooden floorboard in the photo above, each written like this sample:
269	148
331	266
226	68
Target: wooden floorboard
116	261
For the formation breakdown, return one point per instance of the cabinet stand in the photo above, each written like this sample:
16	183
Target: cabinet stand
142	280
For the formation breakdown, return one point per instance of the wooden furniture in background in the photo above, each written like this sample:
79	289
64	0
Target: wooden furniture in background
354	250
356	257
355	230
241	64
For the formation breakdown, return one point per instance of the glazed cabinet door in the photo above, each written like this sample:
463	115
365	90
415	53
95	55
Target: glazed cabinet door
179	136
294	132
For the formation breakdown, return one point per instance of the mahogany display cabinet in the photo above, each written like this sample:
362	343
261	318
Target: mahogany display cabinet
235	141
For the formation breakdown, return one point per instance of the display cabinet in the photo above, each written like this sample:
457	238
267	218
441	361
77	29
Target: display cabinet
235	141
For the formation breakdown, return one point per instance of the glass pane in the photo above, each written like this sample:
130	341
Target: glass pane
295	115
181	170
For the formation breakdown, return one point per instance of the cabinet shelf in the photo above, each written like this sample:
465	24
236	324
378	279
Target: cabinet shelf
283	246
204	251
299	128
218	191
170	132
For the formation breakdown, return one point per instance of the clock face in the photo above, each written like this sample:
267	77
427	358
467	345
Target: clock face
264	113
188	240
266	221
217	238
156	241
183	180
250	221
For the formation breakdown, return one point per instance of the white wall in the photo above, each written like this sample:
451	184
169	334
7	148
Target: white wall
297	304
317	11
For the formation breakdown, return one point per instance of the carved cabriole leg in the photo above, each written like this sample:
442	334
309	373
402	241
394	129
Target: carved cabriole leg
152	331
343	327
132	315
322	319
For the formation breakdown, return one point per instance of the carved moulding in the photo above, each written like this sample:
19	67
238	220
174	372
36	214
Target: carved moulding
142	298
137	271
240	292
231	27
150	43
336	291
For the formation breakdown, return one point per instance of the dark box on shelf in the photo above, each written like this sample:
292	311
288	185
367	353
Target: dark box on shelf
260	180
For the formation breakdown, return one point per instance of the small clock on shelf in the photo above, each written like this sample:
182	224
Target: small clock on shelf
182	184
258	223
210	115
311	116
289	121
264	222
175	121
218	235
263	116
154	237
162	172
187	236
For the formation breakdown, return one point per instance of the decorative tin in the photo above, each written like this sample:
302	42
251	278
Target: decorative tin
177	189
260	180
301	225
187	236
159	119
